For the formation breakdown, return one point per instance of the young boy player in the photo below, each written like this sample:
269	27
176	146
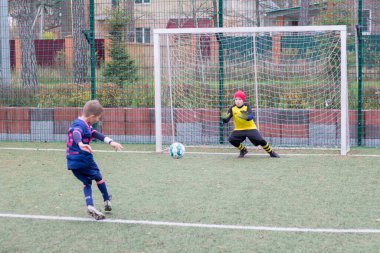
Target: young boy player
80	159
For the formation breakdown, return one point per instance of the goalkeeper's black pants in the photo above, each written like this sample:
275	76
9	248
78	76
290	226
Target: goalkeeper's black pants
238	136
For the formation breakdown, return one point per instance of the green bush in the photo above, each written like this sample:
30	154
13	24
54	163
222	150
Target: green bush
109	95
47	36
142	95
64	95
17	97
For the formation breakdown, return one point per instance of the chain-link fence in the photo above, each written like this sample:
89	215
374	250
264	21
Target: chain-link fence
57	54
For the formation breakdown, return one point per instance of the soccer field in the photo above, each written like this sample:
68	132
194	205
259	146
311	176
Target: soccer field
303	202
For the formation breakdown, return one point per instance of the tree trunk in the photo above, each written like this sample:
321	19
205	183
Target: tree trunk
80	44
5	65
24	15
257	9
304	13
66	23
215	13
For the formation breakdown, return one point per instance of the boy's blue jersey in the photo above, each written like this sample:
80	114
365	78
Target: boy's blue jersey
77	158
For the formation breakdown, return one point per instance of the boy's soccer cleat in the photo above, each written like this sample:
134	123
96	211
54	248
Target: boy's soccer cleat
95	213
243	152
274	154
107	205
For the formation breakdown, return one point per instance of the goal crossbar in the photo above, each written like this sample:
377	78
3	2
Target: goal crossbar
251	29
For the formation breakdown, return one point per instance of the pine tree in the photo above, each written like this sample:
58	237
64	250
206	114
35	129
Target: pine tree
122	68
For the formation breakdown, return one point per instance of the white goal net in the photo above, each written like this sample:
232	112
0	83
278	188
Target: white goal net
295	79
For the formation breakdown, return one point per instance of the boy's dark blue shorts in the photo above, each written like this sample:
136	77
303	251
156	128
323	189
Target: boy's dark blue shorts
86	175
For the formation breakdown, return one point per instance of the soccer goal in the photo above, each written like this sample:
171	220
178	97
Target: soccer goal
295	79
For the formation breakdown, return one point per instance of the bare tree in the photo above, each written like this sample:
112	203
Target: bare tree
80	44
285	3
304	13
130	26
5	68
257	9
250	13
66	23
48	15
23	12
215	12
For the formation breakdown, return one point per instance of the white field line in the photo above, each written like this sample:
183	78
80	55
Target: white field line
195	225
188	152
63	150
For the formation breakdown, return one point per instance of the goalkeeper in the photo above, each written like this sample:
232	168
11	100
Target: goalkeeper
245	127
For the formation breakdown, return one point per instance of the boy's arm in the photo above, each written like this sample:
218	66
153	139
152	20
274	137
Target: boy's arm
115	145
77	138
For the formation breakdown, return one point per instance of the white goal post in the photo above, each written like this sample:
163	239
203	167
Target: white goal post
295	79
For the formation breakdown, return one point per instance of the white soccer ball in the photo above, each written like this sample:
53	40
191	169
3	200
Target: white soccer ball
177	150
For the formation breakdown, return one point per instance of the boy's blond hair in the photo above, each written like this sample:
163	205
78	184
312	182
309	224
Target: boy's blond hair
92	107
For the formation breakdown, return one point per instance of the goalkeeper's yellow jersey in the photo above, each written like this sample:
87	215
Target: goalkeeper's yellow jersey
242	124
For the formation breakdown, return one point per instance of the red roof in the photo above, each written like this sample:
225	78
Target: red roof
189	23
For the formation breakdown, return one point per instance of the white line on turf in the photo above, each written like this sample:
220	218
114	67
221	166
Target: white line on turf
62	150
188	152
196	225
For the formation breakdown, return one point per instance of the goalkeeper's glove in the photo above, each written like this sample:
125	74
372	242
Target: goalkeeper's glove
243	115
226	117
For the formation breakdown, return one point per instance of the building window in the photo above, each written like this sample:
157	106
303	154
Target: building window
294	23
366	22
142	35
142	1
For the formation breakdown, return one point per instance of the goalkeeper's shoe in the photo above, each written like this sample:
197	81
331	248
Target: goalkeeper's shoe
274	154
95	213
243	152
107	205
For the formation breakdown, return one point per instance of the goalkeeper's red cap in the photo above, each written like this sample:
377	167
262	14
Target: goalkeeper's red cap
240	94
